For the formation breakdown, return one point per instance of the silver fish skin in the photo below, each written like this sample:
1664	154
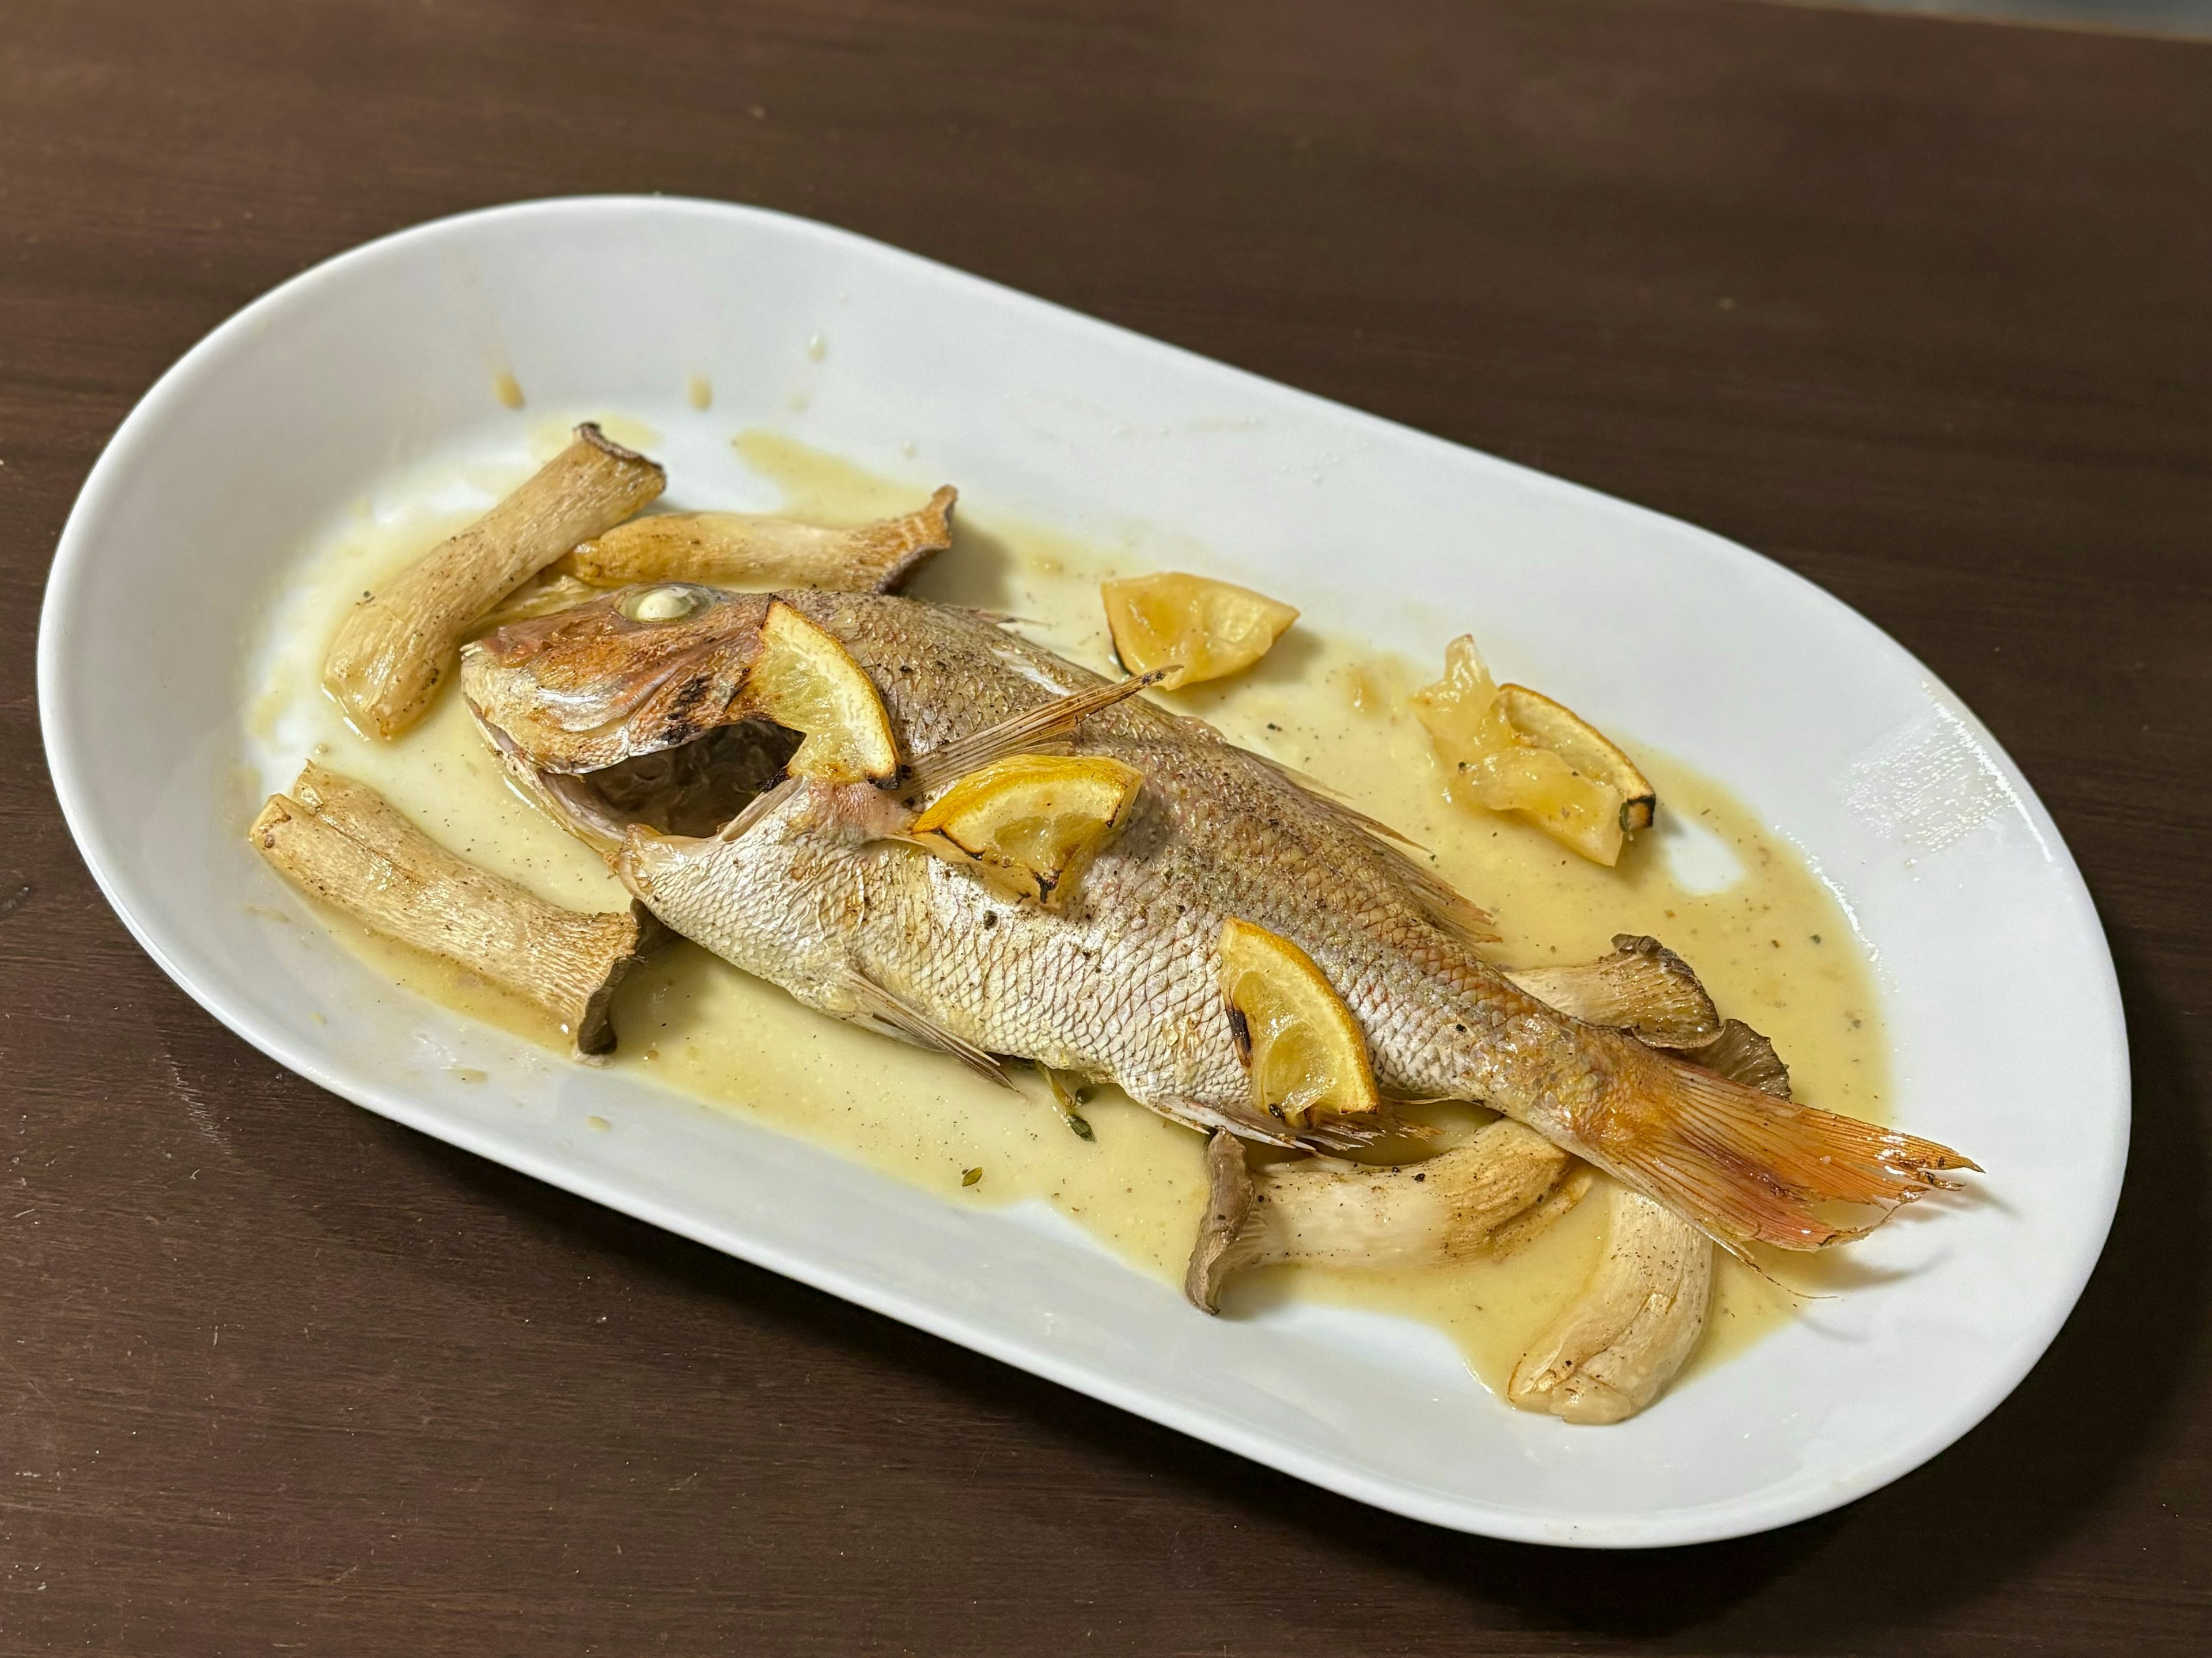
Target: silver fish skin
1121	984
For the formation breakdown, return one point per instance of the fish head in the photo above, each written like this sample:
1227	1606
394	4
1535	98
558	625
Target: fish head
630	709
627	674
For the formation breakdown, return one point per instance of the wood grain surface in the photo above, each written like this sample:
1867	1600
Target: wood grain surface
1921	309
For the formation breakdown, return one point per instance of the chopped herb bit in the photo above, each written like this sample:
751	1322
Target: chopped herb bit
969	1177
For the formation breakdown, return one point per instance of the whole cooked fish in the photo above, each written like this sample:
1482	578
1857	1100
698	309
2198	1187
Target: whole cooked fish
639	735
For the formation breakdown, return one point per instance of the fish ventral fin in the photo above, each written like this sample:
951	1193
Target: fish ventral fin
876	1003
1323	1133
1030	729
1750	1168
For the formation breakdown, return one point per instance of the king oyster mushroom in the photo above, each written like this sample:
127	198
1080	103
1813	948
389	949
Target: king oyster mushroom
398	645
343	842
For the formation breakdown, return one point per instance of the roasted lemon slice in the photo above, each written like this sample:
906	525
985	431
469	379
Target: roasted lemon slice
1573	809
1512	749
1205	628
1031	822
1299	1040
1460	711
1549	726
806	682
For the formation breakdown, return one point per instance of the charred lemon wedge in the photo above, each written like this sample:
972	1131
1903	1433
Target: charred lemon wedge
1300	1044
1204	628
806	682
1512	749
1031	822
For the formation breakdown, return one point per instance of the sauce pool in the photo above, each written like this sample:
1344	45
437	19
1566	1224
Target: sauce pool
1768	939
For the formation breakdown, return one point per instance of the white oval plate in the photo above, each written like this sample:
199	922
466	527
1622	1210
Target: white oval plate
2000	992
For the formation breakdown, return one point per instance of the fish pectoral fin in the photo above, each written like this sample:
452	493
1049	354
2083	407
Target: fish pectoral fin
1032	728
1642	986
876	1003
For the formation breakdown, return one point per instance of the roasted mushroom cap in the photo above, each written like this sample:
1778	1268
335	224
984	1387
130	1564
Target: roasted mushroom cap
1630	1327
1638	1319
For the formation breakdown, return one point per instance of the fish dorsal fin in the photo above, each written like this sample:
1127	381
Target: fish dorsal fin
1460	916
876	1003
1642	987
1030	729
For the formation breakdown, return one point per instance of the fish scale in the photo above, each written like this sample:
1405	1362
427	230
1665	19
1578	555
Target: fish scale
1121	984
1100	989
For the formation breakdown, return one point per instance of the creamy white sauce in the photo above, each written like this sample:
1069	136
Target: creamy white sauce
1768	939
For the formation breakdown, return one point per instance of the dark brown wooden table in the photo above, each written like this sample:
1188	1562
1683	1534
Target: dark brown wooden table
1923	309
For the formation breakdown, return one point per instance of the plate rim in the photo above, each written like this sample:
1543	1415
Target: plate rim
1711	1521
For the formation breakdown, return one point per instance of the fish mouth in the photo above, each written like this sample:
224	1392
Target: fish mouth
689	790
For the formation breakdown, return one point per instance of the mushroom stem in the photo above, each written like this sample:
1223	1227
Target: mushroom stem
748	549
342	842
1327	1212
397	646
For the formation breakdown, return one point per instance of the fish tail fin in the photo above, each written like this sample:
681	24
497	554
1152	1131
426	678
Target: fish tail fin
1749	1168
1030	729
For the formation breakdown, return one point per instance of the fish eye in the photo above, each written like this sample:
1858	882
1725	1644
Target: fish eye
671	604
